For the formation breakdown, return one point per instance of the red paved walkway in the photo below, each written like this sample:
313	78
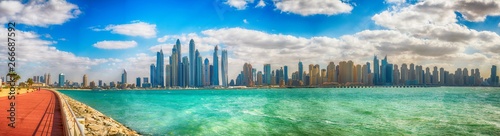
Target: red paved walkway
37	113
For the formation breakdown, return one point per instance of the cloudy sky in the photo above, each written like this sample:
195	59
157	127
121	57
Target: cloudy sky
101	38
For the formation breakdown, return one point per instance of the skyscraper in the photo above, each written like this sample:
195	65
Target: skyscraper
206	71
178	48
179	65
267	73
259	78
215	76
383	71
192	59
364	72
285	72
419	74
198	70
301	70
247	75
47	79
186	74
85	80
124	77
412	75
435	76
441	76
168	75
224	69
404	74
174	68
493	76
330	72
376	74
358	72
61	80
138	82
396	75
427	76
160	73
152	74
350	71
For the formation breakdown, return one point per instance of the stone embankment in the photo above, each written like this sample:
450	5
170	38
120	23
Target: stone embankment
96	123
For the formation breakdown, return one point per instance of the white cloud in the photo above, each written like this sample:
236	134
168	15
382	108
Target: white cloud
115	44
245	21
477	10
395	1
136	28
401	47
238	4
38	13
260	4
35	56
203	44
307	7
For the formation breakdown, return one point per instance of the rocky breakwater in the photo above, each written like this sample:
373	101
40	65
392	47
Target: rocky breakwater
96	123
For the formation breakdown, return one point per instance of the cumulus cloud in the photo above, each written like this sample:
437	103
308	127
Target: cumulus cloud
238	4
115	44
35	56
260	4
307	7
136	28
477	10
442	39
38	13
395	1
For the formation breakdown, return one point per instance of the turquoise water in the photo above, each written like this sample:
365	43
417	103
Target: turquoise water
322	111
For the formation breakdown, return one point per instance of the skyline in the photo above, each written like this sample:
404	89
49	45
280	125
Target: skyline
461	37
345	73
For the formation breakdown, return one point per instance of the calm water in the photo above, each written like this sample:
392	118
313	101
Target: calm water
368	111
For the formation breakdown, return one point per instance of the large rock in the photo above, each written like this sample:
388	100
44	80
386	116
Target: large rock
94	127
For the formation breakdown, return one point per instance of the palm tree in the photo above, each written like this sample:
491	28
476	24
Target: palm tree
14	76
30	82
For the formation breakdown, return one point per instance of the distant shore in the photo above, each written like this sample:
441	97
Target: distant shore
240	88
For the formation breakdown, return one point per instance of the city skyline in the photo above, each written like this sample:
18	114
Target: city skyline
258	33
345	73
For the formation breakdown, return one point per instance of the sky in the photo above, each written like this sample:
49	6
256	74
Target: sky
100	38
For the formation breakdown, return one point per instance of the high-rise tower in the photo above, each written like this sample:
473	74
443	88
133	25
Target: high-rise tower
224	69
192	59
215	76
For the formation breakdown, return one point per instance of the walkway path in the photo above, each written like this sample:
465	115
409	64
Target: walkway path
37	113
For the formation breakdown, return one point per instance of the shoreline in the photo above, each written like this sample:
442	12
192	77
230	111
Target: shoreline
96	123
252	88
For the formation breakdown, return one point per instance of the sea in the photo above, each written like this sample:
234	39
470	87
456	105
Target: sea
302	111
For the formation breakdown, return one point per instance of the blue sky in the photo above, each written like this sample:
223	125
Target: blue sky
430	33
177	17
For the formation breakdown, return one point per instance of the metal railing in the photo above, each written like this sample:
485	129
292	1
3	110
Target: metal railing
71	123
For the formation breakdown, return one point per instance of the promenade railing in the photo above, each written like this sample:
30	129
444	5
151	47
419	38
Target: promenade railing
71	123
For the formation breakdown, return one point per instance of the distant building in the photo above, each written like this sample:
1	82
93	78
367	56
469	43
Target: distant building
124	77
61	80
138	82
215	75
224	70
85	80
493	76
